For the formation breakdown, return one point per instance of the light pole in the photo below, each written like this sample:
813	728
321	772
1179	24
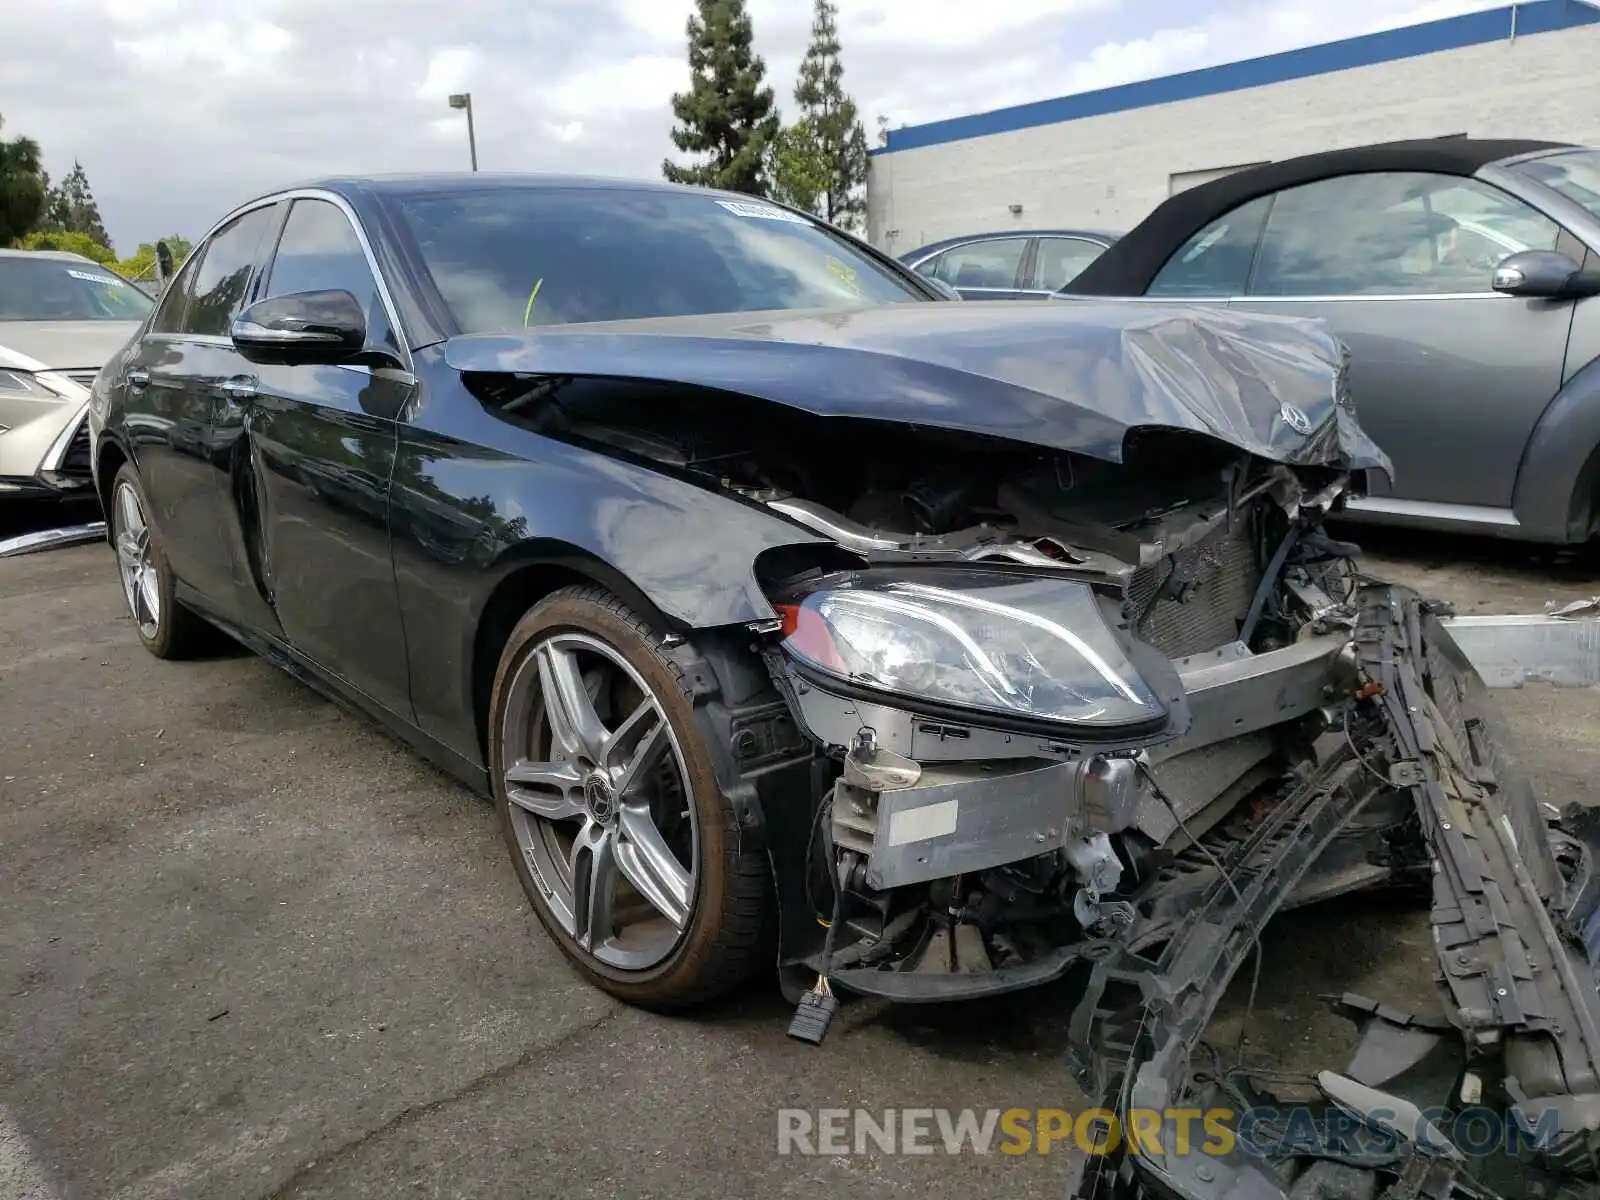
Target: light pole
464	100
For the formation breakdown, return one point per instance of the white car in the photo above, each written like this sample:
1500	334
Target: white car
61	317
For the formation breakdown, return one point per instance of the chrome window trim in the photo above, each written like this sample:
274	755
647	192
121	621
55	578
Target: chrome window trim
285	337
195	339
339	202
1467	515
1380	297
1258	298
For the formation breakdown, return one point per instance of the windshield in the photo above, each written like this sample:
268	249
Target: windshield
519	257
1576	175
36	288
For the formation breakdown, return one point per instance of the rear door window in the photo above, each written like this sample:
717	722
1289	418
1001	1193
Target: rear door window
1061	260
169	313
991	264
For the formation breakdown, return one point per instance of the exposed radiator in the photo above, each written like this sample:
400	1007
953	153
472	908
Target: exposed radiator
1211	587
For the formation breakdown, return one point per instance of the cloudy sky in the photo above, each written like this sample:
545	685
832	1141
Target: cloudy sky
179	108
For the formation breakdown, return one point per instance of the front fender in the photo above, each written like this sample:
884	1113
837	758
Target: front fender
475	514
1555	491
465	517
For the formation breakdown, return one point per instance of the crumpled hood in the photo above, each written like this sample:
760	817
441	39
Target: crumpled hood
1073	376
63	345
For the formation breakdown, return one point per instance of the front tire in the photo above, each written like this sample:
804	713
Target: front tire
610	806
165	627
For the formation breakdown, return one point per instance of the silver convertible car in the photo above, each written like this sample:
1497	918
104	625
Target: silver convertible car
1462	274
61	317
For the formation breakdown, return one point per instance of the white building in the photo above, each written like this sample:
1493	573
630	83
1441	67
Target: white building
1104	159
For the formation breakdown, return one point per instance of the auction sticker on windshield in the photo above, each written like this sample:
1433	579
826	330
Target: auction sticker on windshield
740	208
91	278
845	275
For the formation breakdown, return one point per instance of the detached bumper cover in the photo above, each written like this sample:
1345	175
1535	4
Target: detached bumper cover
1517	938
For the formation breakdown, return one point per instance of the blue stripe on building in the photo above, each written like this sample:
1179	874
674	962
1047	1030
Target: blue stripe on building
1393	45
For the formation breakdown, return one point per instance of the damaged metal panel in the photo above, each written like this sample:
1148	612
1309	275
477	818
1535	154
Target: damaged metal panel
965	816
1561	648
1075	377
51	539
1232	692
1522	1027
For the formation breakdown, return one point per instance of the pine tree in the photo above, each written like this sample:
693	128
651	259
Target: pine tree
21	188
840	136
726	114
69	207
797	169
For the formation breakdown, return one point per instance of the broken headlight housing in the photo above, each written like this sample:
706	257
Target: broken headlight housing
1007	649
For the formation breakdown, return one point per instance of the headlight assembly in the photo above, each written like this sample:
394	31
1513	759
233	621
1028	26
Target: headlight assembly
1021	649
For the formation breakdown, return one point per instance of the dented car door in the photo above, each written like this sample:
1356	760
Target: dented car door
308	475
176	381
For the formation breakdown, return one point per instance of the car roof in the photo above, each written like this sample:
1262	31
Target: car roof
483	181
1104	235
57	255
1129	266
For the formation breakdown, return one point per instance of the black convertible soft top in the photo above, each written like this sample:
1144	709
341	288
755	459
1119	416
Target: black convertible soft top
1127	268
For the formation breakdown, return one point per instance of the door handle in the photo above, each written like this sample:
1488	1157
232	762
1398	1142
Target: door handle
240	387
138	379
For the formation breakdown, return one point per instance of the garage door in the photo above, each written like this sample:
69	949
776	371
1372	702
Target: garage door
1182	181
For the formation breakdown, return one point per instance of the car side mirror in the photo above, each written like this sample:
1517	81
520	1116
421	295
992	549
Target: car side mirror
301	328
1544	274
943	288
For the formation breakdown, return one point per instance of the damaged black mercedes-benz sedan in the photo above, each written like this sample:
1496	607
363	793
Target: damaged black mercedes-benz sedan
793	614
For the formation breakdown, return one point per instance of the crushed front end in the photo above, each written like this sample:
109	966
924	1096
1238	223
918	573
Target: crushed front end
1126	746
1043	741
1060	669
1118	726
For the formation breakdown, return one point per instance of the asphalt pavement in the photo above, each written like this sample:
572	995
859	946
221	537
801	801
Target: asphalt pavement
250	947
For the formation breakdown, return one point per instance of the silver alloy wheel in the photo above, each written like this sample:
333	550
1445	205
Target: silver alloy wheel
600	802
131	533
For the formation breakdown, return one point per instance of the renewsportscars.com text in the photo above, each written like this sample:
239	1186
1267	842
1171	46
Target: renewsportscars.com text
1262	1132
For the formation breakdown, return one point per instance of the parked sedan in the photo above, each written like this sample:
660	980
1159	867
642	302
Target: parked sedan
1460	272
61	316
1022	264
795	616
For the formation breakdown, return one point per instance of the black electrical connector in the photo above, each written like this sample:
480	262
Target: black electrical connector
816	1008
811	1017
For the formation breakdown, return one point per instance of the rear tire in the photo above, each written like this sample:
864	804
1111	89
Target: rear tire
165	627
609	802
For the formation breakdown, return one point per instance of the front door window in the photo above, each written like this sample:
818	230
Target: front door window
1393	233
